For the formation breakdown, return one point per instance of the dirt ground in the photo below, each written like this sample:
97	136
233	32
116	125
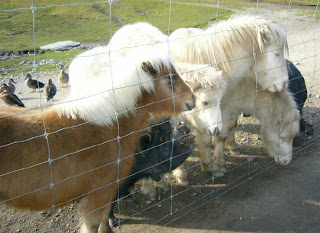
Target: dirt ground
253	196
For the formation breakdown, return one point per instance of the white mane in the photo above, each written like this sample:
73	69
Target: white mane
203	74
224	39
137	36
103	85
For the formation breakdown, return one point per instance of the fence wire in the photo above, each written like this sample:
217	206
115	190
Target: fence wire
253	164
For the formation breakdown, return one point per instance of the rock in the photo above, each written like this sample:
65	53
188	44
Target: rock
61	46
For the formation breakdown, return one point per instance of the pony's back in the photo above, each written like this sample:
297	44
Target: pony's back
104	84
228	40
136	36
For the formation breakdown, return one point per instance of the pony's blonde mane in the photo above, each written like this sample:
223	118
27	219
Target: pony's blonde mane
202	74
104	85
223	39
283	109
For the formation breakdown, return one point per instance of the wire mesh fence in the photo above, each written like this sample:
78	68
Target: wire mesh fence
170	107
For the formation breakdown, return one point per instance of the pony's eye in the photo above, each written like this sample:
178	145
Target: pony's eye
277	54
282	139
204	102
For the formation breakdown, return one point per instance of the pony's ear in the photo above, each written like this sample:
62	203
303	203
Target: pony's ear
264	35
193	85
145	141
146	66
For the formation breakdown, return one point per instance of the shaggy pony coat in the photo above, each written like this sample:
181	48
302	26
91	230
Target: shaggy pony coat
82	148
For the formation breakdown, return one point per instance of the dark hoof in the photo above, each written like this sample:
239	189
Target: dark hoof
217	173
114	222
309	130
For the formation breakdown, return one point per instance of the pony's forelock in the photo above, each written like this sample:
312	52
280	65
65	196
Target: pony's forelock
203	74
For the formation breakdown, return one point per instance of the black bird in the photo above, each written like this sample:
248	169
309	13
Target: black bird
50	90
9	98
33	84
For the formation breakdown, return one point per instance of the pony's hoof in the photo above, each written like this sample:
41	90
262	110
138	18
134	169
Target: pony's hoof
309	130
234	151
223	169
152	196
130	200
183	182
217	173
114	222
204	168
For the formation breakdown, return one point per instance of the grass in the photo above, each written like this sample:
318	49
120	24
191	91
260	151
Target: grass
90	23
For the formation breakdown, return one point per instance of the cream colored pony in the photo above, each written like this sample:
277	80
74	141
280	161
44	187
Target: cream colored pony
240	46
277	113
245	48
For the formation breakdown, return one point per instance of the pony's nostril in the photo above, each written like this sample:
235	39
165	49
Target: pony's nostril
275	88
215	132
194	99
284	86
191	106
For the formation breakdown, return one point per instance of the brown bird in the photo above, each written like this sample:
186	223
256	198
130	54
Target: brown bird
11	85
33	84
63	76
9	98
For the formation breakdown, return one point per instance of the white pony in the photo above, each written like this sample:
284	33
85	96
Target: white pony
277	113
206	82
239	46
246	48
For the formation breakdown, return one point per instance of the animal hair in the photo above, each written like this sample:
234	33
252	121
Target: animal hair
223	37
104	86
203	74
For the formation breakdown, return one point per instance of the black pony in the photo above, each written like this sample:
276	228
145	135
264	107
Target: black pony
157	154
297	87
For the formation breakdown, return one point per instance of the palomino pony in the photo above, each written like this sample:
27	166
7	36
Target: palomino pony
243	47
81	149
277	113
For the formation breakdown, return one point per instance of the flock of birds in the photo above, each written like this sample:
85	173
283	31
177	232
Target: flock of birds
7	90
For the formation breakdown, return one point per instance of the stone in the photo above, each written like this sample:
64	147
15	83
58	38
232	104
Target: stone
61	46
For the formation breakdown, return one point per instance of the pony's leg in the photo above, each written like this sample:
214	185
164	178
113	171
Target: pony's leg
104	226
204	142
219	152
231	144
95	213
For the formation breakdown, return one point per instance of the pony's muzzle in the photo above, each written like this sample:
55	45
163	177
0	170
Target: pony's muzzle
191	105
280	88
284	160
214	130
